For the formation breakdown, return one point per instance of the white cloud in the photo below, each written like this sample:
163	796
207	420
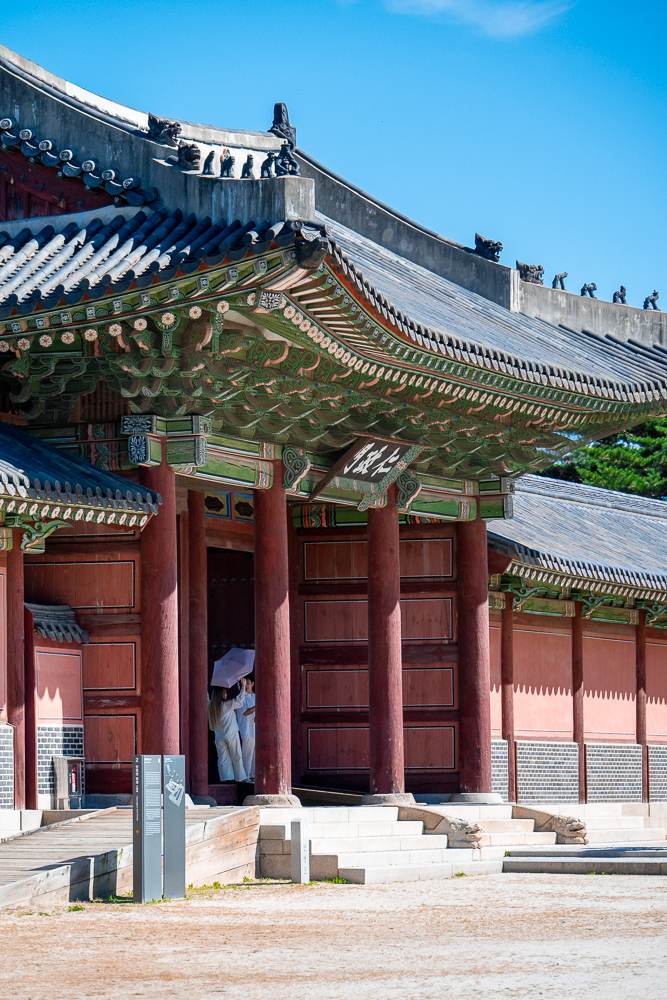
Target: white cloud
497	18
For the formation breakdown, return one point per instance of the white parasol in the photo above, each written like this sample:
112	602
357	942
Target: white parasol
231	667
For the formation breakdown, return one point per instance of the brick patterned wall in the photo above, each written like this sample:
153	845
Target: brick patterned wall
657	773
547	772
499	776
6	767
613	772
55	740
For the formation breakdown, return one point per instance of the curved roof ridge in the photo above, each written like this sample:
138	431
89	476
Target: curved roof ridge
417	295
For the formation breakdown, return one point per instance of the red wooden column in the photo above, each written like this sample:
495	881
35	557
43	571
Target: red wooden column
16	693
578	695
273	781
507	692
198	645
159	618
385	661
474	660
640	699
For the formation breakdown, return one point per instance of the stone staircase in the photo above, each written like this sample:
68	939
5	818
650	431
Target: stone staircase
616	822
369	844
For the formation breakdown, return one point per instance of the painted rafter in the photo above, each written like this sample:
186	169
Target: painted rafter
347	362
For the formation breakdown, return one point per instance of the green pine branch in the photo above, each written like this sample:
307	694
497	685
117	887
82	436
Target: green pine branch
634	461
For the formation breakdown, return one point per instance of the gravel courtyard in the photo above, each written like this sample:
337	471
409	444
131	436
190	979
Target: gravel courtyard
493	936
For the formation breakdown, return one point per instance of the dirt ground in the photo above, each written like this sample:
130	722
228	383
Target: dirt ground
483	936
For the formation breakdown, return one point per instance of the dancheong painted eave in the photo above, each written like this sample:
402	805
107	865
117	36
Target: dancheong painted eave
297	328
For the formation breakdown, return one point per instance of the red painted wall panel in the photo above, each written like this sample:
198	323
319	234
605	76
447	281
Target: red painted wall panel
496	700
83	584
110	665
347	560
59	693
423	687
609	689
429	619
429	748
656	692
347	748
338	749
109	739
542	685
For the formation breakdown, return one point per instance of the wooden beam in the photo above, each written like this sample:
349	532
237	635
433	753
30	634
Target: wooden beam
474	658
16	688
272	641
578	695
385	664
640	700
159	615
198	634
507	693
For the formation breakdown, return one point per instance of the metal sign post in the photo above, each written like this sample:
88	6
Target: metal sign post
174	826
300	851
147	828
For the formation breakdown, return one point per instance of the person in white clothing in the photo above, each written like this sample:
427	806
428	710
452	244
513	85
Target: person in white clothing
222	720
246	721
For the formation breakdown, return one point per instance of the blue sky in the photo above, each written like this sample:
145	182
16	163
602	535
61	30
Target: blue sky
537	122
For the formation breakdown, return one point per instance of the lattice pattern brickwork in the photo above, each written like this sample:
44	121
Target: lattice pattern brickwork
657	773
55	740
547	772
499	773
6	767
613	772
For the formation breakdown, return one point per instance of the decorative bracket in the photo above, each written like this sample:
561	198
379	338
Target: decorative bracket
296	465
653	610
35	535
408	489
588	606
521	594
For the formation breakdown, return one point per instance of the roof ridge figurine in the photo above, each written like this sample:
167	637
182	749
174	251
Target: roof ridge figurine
651	301
620	296
590	289
488	249
532	273
559	281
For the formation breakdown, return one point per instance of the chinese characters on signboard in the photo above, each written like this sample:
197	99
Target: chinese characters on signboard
369	467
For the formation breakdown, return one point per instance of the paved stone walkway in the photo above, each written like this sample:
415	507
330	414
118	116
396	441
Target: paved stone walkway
493	936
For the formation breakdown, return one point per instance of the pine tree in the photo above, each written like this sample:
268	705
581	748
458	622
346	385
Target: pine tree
634	461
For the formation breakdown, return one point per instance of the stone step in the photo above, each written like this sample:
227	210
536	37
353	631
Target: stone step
390	859
418	873
472	813
507	825
568	865
614	822
389	828
334	845
654	834
330	814
512	839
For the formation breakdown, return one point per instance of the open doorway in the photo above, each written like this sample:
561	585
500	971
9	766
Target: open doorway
231	616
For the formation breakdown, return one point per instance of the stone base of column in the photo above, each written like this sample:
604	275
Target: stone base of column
477	798
273	801
388	799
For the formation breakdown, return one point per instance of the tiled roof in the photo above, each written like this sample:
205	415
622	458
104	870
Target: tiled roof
587	533
32	470
441	315
49	265
57	622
